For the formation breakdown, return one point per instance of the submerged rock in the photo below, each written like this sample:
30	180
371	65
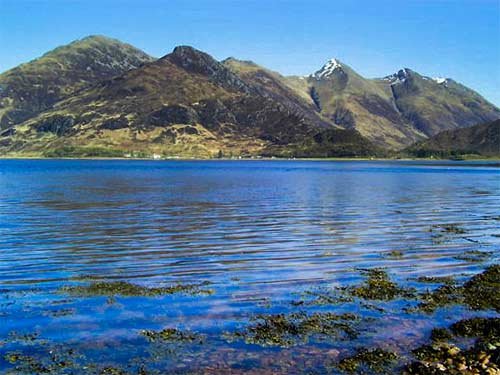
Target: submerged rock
287	330
481	292
378	286
173	335
377	361
444	356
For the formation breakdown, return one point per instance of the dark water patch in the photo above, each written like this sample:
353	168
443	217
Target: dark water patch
474	256
393	254
448	228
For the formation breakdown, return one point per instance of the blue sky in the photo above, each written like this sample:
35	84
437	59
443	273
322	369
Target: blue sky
458	39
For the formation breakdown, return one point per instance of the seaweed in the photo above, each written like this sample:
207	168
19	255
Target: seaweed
58	359
378	286
487	329
474	256
481	292
393	254
287	330
125	289
173	335
440	334
448	228
448	280
443	356
375	360
443	296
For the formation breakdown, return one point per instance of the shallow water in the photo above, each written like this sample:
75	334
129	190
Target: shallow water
257	232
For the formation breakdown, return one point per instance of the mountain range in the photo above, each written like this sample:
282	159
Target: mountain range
100	97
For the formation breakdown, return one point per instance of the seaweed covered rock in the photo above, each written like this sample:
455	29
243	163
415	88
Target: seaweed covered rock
481	292
287	330
444	356
122	288
172	335
374	361
378	286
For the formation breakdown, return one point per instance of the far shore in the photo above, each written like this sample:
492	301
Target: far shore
482	159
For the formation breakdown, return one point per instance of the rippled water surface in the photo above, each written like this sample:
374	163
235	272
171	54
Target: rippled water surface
257	234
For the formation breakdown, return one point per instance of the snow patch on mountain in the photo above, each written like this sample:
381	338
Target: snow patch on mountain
398	77
328	69
440	80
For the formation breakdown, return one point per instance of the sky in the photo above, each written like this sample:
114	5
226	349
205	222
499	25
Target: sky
446	38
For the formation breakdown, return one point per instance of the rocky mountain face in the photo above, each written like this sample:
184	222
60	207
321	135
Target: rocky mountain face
100	97
394	111
432	105
31	88
188	104
350	101
482	139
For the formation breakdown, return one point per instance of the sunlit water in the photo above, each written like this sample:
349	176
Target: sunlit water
259	232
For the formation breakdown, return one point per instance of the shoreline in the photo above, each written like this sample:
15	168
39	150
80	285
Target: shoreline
492	159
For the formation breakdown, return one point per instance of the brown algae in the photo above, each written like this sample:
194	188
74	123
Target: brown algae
173	335
443	356
366	360
481	292
125	289
287	330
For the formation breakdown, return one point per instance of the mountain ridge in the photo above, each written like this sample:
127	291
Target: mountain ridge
200	106
185	103
480	139
37	85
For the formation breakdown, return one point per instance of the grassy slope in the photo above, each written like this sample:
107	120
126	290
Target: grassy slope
482	139
184	104
37	85
434	107
352	101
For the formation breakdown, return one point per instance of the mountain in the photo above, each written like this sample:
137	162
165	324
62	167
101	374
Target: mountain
436	104
353	102
185	103
394	111
482	139
98	96
31	88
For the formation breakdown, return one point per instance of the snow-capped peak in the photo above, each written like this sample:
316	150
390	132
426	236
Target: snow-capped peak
327	69
398	77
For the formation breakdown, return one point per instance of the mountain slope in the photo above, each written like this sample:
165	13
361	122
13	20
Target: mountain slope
102	94
434	105
188	104
353	102
274	85
36	86
482	139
